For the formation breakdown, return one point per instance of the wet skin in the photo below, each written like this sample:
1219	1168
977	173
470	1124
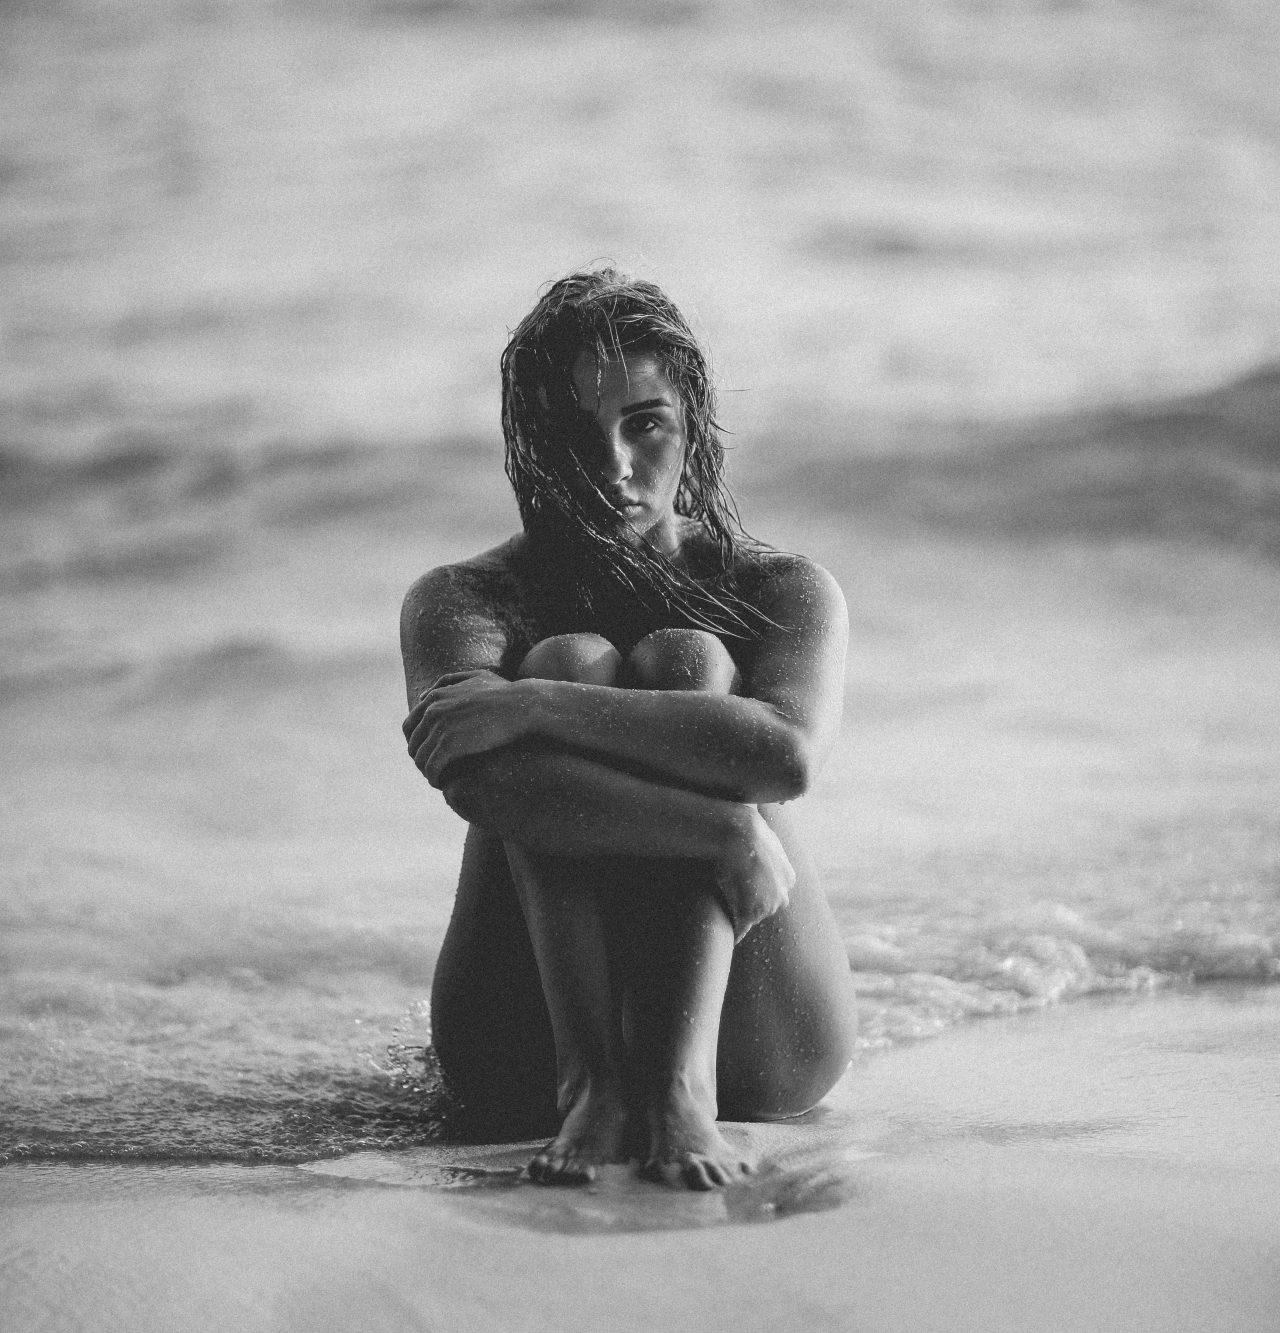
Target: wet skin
639	942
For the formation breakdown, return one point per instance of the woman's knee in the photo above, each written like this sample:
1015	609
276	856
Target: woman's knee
682	659
772	1093
772	1067
587	659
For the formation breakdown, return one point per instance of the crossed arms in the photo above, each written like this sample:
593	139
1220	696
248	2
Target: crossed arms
583	770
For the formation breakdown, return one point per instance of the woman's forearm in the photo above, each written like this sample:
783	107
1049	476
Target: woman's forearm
737	748
571	805
567	805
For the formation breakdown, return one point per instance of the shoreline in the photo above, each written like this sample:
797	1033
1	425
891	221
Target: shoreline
1099	1165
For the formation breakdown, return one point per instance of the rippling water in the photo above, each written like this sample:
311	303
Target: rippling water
997	287
224	885
316	220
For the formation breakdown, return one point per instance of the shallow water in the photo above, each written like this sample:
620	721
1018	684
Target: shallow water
1184	1085
1000	311
225	885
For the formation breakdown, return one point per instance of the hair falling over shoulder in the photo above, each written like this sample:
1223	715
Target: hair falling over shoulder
607	314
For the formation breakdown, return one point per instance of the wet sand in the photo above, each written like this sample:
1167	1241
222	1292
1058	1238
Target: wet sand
1111	1165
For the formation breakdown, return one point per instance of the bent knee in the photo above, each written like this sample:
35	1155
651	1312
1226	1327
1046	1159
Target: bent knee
682	659
791	1083
588	659
782	1099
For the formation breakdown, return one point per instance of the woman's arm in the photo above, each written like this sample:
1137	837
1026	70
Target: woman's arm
447	624
569	805
759	747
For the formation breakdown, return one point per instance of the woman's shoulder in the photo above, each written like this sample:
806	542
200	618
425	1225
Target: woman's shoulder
799	600
764	572
477	604
483	581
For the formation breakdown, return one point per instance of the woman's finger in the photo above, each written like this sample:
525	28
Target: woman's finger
421	732
435	727
430	732
415	715
433	717
444	745
421	748
452	677
429	696
434	767
458	677
438	759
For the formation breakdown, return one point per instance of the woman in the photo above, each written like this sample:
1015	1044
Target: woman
619	700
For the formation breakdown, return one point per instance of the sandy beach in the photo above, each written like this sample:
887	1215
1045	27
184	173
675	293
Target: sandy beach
1109	1166
992	296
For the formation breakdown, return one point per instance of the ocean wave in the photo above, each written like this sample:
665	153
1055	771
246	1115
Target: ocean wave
190	1061
157	511
1047	955
166	466
1202	468
156	557
235	661
646	13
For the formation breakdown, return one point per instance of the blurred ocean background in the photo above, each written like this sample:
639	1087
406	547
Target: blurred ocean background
993	292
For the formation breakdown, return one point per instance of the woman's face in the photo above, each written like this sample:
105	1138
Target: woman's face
636	454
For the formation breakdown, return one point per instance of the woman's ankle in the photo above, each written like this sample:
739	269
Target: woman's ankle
598	1085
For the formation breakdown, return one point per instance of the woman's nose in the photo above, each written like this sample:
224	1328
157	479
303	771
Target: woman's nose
616	457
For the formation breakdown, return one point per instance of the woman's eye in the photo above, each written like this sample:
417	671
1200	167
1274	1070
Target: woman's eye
583	436
642	425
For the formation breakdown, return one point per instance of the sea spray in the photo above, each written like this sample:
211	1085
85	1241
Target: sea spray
1045	955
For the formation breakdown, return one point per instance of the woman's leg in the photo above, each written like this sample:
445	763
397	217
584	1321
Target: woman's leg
650	1004
643	945
566	914
790	1018
489	1023
676	951
759	1032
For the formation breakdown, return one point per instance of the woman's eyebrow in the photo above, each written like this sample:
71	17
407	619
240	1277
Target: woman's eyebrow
647	405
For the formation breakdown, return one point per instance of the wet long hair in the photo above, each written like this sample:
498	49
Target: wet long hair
602	312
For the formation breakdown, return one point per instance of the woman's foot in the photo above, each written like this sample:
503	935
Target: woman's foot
592	1134
686	1148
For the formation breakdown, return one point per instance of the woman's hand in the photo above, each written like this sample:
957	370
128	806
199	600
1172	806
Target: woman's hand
754	876
466	713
